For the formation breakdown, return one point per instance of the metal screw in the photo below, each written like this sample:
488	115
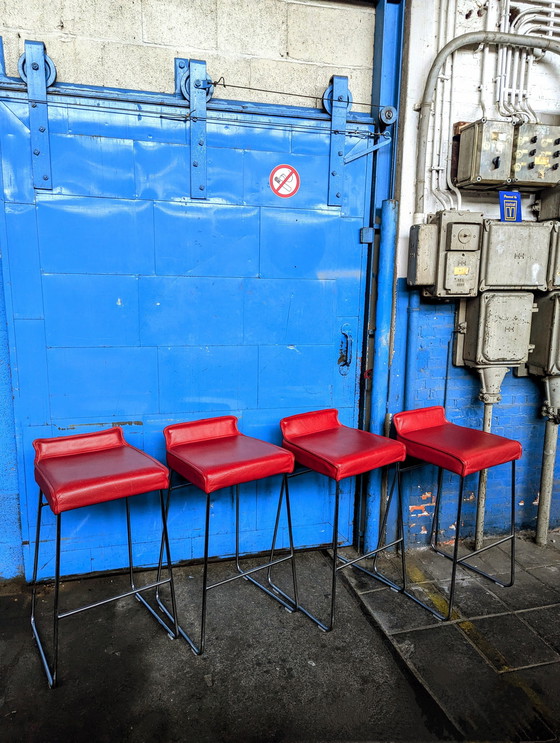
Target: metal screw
201	142
33	105
201	188
182	65
197	83
36	152
340	98
45	177
340	153
34	66
41	128
388	115
338	195
334	172
195	164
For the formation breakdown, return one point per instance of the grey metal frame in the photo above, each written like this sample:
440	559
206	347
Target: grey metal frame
372	553
289	603
52	671
455	559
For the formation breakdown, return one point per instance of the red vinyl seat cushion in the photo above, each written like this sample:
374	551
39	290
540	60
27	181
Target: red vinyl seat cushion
428	435
76	471
213	454
319	441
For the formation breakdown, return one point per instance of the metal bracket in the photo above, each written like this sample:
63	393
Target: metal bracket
367	146
198	94
40	72
340	104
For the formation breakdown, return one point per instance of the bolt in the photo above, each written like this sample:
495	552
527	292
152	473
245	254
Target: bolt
388	115
340	153
33	105
36	152
195	164
34	66
201	143
197	84
194	118
334	172
182	65
340	98
41	128
201	188
338	195
45	177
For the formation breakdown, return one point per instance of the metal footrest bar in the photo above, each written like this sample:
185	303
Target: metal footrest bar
327	627
289	603
51	673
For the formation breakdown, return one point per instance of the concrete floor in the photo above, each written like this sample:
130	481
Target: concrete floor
388	672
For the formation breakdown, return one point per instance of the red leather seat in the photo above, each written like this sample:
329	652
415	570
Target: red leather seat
319	441
76	471
213	454
84	470
429	436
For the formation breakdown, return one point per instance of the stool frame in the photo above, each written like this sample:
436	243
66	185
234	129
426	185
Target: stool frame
336	557
289	603
51	670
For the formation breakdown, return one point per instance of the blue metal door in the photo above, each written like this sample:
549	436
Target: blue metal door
165	261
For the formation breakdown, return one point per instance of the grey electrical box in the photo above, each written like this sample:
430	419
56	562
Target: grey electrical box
545	336
422	255
498	329
536	156
485	154
515	255
444	255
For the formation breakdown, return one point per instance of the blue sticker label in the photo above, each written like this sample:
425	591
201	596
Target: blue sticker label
510	206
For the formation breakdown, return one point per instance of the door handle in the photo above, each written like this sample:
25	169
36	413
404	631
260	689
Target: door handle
345	356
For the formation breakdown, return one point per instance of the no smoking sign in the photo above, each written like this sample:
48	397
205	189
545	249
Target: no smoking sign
284	181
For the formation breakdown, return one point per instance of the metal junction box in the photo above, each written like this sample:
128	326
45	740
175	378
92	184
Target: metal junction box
536	156
444	254
549	204
553	277
515	255
498	329
485	154
545	336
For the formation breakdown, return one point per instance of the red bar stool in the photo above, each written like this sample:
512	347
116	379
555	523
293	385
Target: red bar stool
212	454
322	444
83	470
430	437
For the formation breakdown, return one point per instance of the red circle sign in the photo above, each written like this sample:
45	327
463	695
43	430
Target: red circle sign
284	181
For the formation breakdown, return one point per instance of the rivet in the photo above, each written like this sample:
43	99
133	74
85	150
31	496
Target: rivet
36	152
195	164
34	66
340	98
45	177
41	128
338	195
201	188
33	105
197	83
334	172
182	65
340	153
201	142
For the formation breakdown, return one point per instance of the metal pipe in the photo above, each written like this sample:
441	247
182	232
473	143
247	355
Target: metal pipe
384	313
411	335
470	39
482	483
547	478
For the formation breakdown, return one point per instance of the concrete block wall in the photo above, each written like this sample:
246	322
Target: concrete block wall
290	46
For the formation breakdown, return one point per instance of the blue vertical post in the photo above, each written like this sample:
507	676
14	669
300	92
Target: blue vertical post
387	62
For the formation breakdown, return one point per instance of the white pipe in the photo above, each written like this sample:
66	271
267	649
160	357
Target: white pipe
470	39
